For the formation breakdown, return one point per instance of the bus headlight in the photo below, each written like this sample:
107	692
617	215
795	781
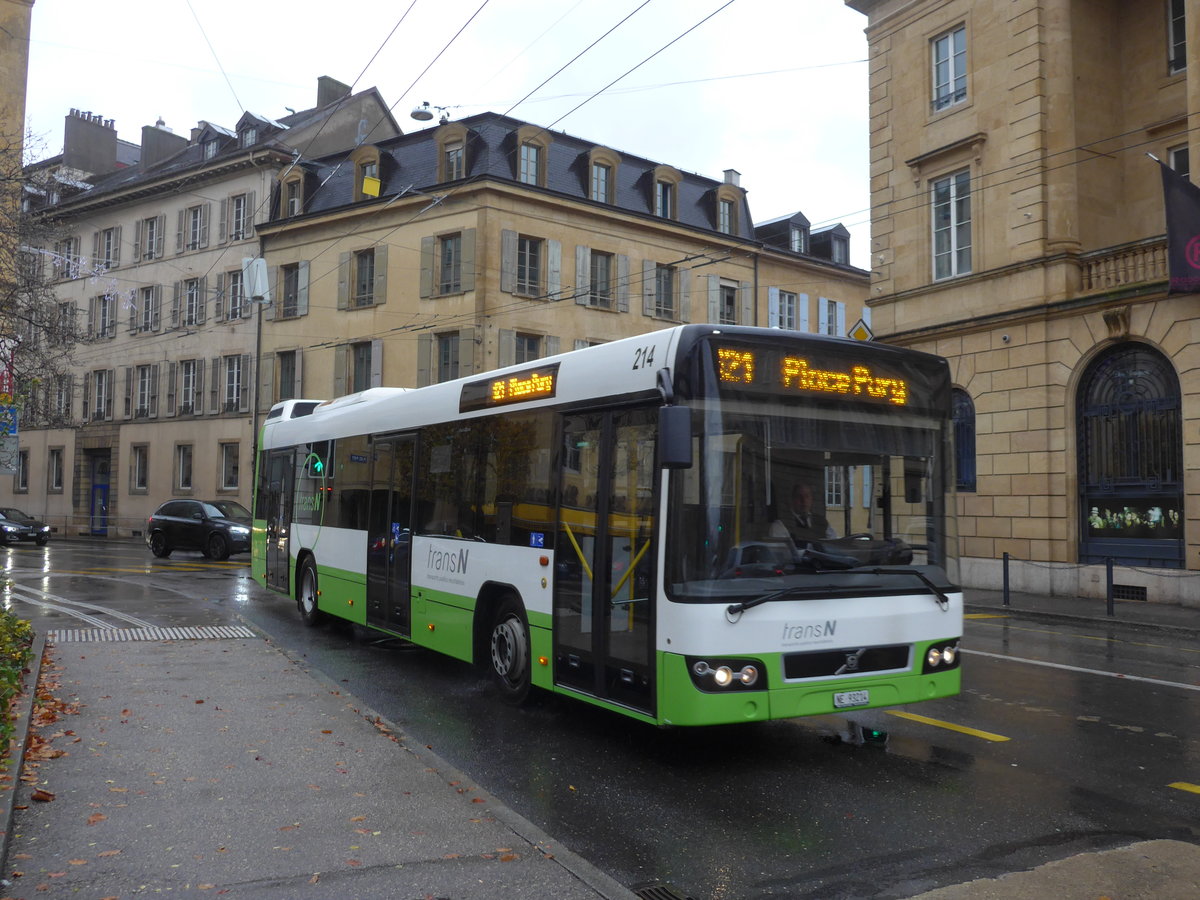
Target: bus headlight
718	675
941	656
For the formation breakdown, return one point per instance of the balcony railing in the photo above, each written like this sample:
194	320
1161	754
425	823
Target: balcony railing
1124	265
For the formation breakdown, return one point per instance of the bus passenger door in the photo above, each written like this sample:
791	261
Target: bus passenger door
389	534
603	603
281	478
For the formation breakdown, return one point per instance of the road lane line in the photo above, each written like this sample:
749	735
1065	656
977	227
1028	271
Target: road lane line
1066	668
1184	786
1085	637
950	726
78	604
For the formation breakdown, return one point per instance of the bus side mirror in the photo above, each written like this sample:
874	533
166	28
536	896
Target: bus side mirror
675	437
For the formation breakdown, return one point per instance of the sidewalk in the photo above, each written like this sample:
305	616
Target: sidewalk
223	768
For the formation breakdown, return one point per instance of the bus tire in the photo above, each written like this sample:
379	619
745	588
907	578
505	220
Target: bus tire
509	656
307	593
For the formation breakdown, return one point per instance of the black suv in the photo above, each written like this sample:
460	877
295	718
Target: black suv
214	527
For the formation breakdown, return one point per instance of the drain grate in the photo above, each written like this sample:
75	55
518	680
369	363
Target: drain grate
116	635
661	892
1129	592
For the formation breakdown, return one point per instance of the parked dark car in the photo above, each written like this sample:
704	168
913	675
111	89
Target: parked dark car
17	526
216	528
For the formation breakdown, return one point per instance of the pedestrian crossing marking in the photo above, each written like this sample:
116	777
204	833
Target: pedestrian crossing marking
156	633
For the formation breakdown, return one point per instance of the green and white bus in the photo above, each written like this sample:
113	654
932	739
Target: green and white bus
614	524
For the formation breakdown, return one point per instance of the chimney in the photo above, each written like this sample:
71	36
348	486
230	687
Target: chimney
89	143
330	90
734	177
159	143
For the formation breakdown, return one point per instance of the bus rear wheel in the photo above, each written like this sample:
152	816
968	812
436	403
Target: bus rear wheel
307	593
509	646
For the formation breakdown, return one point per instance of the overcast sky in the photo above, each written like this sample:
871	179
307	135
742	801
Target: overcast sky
776	89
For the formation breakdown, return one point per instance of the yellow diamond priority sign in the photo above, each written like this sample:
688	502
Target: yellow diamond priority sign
861	331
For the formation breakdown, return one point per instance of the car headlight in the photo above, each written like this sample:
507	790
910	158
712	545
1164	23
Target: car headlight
12	528
239	530
45	528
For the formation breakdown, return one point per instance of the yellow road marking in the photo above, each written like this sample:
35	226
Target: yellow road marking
1184	786
938	723
984	616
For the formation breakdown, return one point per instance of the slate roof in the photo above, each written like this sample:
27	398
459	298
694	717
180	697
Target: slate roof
491	151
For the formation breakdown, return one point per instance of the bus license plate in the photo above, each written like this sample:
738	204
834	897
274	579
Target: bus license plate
851	698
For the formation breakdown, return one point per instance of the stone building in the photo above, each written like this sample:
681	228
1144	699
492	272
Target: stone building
389	259
1018	229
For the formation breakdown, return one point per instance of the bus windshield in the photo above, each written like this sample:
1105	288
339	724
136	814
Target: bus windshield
784	495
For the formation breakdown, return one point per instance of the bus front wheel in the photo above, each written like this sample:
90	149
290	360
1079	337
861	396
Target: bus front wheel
307	593
509	645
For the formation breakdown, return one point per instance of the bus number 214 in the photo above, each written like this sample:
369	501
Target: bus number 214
643	357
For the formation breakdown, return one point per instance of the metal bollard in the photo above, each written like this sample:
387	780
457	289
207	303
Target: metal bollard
1108	566
1006	597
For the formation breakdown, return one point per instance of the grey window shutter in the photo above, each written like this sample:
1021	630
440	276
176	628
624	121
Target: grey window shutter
116	250
244	387
215	385
507	348
746	295
133	315
172	374
179	232
108	396
95	252
340	355
377	363
841	318
822	316
468	259
219	298
154	376
649	286
714	298
203	304
138	254
205	209
381	264
425	347
468	356
266	382
160	236
298	386
223	222
802	299
552	345
175	301
773	312
428	249
580	344
87	395
553	269
508	261
274	291
583	274
198	397
128	392
156	310
302	289
622	283
91	330
343	293
251	215
683	278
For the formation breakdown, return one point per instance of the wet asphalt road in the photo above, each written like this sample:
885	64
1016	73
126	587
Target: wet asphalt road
1042	755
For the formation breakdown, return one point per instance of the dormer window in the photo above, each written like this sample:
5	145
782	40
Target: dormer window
249	135
798	239
603	165
451	141
211	146
533	145
293	198
666	191
840	249
367	181
726	216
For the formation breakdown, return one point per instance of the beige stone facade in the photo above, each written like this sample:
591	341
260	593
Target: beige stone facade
1018	230
401	260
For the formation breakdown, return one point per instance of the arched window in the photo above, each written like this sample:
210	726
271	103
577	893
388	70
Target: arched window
1130	439
963	413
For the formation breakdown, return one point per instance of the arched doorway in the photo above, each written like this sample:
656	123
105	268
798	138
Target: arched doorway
1128	415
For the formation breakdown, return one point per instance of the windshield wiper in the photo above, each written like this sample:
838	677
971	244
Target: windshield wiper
943	599
735	608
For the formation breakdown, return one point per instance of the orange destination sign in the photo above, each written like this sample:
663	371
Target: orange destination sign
796	373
